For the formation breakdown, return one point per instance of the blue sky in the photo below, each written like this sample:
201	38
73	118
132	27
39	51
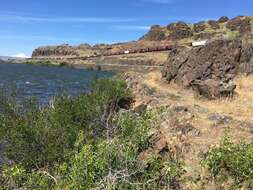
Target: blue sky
27	24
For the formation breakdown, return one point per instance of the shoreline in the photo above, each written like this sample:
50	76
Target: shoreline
88	66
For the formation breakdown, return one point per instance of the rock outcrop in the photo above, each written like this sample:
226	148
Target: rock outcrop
223	19
201	30
56	51
159	38
179	30
156	33
241	24
214	24
199	27
210	69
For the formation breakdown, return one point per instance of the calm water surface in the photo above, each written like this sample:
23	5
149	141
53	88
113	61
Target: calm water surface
46	82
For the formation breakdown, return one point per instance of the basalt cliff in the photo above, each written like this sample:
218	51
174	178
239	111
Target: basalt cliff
208	68
203	92
159	38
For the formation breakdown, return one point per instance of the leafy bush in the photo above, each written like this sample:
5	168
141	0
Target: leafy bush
114	162
81	142
233	162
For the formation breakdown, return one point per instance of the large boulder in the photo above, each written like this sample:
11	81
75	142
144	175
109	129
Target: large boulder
209	67
212	88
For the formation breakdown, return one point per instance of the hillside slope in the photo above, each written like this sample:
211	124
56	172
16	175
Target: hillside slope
159	38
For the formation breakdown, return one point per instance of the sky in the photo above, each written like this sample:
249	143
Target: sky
27	24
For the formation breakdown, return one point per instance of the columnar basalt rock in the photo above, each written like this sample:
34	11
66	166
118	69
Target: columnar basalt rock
241	24
223	19
159	38
47	51
199	27
156	33
179	30
214	24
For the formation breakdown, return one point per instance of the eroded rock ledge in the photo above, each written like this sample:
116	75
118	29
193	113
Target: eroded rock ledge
158	38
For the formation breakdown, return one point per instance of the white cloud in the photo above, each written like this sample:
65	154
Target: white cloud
5	36
131	27
22	18
159	1
21	55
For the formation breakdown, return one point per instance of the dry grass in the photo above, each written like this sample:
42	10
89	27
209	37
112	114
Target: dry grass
240	108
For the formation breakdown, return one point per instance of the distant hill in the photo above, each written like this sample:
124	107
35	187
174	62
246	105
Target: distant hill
5	58
8	58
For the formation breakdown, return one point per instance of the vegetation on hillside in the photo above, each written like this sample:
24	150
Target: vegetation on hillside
231	164
89	142
80	143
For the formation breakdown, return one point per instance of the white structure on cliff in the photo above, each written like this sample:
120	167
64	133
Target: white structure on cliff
199	43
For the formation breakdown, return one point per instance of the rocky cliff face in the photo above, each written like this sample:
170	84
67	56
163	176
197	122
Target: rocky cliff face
223	27
210	69
159	38
65	50
61	50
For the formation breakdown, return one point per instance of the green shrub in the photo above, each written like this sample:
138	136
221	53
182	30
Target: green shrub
233	162
43	138
63	64
110	163
82	143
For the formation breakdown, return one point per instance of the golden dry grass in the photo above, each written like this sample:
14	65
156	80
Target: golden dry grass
240	108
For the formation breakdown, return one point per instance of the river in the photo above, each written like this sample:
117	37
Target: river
45	82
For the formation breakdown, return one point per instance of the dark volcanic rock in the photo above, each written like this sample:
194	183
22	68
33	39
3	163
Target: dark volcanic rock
179	30
199	27
155	34
61	50
212	89
204	35
208	69
220	119
241	24
223	19
214	24
246	59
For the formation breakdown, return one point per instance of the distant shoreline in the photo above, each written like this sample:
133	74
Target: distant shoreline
79	64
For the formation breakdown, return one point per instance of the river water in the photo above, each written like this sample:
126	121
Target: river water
45	82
